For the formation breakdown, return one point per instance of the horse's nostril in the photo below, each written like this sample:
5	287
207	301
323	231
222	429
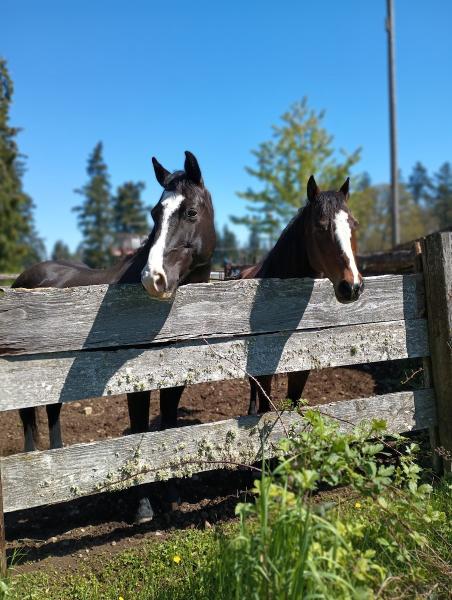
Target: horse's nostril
345	290
159	282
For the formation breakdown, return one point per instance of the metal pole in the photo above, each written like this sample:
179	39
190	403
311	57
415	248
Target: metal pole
392	119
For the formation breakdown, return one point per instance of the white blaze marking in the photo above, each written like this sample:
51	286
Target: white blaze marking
170	203
344	236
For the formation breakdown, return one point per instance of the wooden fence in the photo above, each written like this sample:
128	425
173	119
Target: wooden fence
70	344
7	278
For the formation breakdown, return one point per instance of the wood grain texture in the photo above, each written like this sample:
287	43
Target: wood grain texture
52	476
437	261
53	320
45	379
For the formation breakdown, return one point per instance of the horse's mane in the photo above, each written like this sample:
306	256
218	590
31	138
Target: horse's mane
280	259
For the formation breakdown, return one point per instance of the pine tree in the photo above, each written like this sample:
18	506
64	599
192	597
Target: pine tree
20	244
441	197
95	214
61	251
300	147
254	245
254	240
230	246
129	212
419	183
364	181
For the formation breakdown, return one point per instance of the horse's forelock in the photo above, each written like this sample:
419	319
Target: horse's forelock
327	205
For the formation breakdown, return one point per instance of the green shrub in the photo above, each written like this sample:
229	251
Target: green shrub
292	546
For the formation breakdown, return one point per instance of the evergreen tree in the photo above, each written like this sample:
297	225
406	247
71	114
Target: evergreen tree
35	250
419	183
254	240
129	212
95	214
229	245
300	147
441	197
364	181
20	244
61	251
226	249
254	245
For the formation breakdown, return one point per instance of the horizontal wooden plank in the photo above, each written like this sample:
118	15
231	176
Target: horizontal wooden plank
391	261
51	320
44	379
53	476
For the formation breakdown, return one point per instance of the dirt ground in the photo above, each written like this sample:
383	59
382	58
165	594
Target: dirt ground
65	534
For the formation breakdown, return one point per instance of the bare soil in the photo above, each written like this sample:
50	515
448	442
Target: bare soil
65	534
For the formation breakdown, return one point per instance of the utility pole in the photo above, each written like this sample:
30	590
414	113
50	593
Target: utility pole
393	126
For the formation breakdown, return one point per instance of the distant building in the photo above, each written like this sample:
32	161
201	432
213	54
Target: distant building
126	243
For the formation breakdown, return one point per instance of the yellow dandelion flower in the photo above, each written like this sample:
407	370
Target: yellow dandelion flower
357	504
177	559
120	598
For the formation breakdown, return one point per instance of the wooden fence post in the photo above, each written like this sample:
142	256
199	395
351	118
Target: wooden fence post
437	461
437	260
2	532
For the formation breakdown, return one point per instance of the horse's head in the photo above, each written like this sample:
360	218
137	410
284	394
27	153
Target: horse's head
330	240
184	233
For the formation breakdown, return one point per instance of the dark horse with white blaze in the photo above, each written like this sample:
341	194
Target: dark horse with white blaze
177	251
318	242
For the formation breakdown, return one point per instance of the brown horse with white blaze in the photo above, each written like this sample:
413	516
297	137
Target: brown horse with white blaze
319	242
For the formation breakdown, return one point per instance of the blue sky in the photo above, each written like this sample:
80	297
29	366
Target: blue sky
158	77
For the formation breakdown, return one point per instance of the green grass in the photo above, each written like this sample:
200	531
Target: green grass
145	573
150	573
387	534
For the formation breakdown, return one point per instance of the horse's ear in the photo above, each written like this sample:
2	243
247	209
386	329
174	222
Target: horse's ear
160	172
313	189
192	169
345	187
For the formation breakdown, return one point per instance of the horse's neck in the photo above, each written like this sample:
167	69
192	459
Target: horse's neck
289	257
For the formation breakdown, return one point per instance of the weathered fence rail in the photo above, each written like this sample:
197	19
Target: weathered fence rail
66	345
54	320
8	276
54	476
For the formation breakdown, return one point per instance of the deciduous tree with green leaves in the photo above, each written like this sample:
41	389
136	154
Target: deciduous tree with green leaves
20	244
95	215
300	146
129	211
371	206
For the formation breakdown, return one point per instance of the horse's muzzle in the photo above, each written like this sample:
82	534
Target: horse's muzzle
348	292
156	286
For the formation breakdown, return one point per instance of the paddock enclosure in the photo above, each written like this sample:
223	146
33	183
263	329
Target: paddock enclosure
64	345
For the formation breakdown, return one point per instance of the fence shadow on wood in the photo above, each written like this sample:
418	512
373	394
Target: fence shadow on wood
293	306
110	314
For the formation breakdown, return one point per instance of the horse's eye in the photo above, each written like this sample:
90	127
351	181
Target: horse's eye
191	213
322	226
